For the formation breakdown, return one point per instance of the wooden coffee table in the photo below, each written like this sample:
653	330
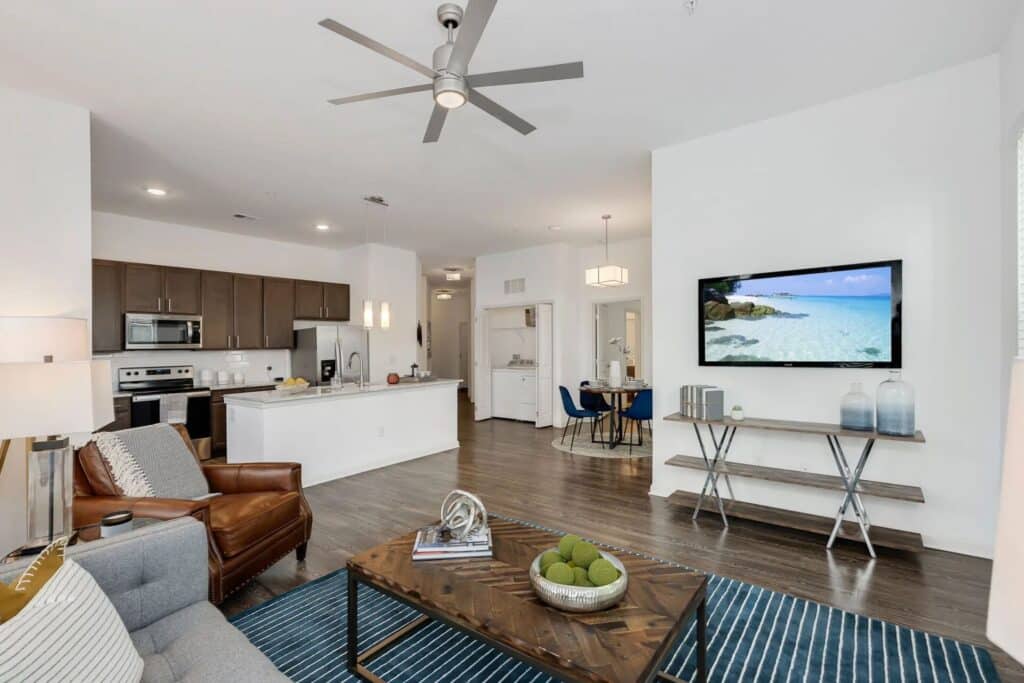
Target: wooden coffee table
492	600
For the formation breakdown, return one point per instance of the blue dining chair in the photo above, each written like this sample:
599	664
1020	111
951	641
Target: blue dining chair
576	417
640	411
595	402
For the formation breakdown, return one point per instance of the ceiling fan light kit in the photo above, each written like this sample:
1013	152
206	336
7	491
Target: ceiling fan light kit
608	275
452	84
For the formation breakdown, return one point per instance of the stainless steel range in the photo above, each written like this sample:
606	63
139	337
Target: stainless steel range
157	393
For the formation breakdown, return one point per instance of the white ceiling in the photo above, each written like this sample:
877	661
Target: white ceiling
223	103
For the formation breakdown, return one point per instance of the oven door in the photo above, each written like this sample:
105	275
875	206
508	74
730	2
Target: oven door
146	411
166	331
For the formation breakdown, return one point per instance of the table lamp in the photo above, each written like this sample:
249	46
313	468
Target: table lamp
1006	598
51	388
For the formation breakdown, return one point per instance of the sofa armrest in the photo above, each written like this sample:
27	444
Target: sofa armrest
147	573
89	510
254	476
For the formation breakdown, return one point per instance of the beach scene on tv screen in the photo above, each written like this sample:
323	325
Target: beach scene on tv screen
828	317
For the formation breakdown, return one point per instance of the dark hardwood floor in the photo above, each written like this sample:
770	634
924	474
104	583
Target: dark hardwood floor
516	472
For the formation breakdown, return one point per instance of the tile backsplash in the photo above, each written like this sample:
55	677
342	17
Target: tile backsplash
253	364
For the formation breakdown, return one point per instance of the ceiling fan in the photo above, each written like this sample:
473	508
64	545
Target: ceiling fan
450	79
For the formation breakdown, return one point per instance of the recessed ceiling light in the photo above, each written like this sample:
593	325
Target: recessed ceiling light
453	277
156	191
323	227
444	296
554	228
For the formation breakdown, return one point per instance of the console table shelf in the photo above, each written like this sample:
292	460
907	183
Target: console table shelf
815	524
910	494
713	463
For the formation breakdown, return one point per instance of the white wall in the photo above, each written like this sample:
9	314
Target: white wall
554	273
908	171
45	205
445	318
383	272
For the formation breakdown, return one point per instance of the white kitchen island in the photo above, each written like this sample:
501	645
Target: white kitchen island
335	433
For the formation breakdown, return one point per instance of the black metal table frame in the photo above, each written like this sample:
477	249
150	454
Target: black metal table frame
850	477
356	661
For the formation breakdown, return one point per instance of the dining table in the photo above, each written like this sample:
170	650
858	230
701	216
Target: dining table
616	434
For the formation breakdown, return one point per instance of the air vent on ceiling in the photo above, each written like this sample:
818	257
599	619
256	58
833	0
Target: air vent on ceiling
516	286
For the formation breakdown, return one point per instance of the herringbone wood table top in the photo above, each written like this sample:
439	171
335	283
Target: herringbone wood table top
493	598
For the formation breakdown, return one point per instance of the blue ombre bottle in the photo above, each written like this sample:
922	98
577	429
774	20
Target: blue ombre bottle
895	406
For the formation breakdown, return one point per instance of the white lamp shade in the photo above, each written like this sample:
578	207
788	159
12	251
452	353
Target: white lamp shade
367	313
385	315
29	340
41	399
607	276
1006	597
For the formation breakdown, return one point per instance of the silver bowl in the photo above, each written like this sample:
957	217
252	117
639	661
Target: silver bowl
579	598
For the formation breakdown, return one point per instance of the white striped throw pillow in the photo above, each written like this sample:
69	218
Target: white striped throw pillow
69	631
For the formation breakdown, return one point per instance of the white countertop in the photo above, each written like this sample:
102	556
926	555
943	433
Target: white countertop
270	399
235	385
516	368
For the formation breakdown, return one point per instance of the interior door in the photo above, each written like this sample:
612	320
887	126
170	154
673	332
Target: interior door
309	300
143	288
482	369
545	350
464	353
248	309
278	313
181	291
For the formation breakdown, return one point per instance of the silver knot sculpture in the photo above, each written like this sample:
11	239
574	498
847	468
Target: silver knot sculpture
463	514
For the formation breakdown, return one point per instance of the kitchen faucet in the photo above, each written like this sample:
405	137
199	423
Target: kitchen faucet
355	354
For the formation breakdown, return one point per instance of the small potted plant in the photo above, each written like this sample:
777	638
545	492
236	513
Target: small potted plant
736	413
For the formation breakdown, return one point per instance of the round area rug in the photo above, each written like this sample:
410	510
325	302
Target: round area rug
583	446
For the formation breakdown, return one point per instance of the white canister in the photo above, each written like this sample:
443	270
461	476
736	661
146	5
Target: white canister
206	377
223	377
239	378
614	374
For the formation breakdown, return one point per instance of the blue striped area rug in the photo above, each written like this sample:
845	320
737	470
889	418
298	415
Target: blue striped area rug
753	635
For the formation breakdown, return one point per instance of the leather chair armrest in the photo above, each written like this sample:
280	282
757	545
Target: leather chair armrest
254	476
91	509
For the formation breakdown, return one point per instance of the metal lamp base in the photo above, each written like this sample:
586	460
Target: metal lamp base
50	490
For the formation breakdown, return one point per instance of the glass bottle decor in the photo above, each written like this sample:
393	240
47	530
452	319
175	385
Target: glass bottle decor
895	406
856	410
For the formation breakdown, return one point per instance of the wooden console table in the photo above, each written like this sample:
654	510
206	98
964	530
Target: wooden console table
849	482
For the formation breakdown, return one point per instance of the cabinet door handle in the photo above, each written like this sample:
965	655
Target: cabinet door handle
168	304
266	341
328	309
159	305
238	342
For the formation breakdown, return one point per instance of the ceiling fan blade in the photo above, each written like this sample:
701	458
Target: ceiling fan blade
478	13
499	112
435	124
537	74
381	93
365	41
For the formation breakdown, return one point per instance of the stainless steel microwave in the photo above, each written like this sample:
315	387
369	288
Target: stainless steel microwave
162	331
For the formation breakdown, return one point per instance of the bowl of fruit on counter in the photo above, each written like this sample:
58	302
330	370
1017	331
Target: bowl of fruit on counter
577	576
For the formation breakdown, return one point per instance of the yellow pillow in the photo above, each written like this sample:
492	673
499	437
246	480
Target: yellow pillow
15	596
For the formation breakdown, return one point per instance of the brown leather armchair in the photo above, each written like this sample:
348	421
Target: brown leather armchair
260	516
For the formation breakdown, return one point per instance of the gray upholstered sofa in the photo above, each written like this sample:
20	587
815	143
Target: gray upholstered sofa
156	576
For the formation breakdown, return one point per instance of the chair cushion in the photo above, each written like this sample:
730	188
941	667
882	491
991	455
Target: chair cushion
197	643
240	520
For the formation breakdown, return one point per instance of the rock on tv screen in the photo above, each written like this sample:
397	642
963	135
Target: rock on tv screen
839	316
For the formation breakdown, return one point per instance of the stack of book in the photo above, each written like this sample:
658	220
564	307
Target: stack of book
702	401
435	543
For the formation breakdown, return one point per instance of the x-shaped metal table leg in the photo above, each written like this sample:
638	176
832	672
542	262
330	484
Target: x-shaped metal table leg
722	446
851	480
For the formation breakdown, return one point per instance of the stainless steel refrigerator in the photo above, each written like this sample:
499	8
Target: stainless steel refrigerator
317	351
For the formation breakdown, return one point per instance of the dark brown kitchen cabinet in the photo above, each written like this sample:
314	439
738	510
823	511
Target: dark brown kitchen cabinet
321	301
107	306
218	311
248	312
309	300
336	301
278	313
143	288
219	416
181	291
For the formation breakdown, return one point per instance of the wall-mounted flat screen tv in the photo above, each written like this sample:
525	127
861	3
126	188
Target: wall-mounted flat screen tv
838	316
